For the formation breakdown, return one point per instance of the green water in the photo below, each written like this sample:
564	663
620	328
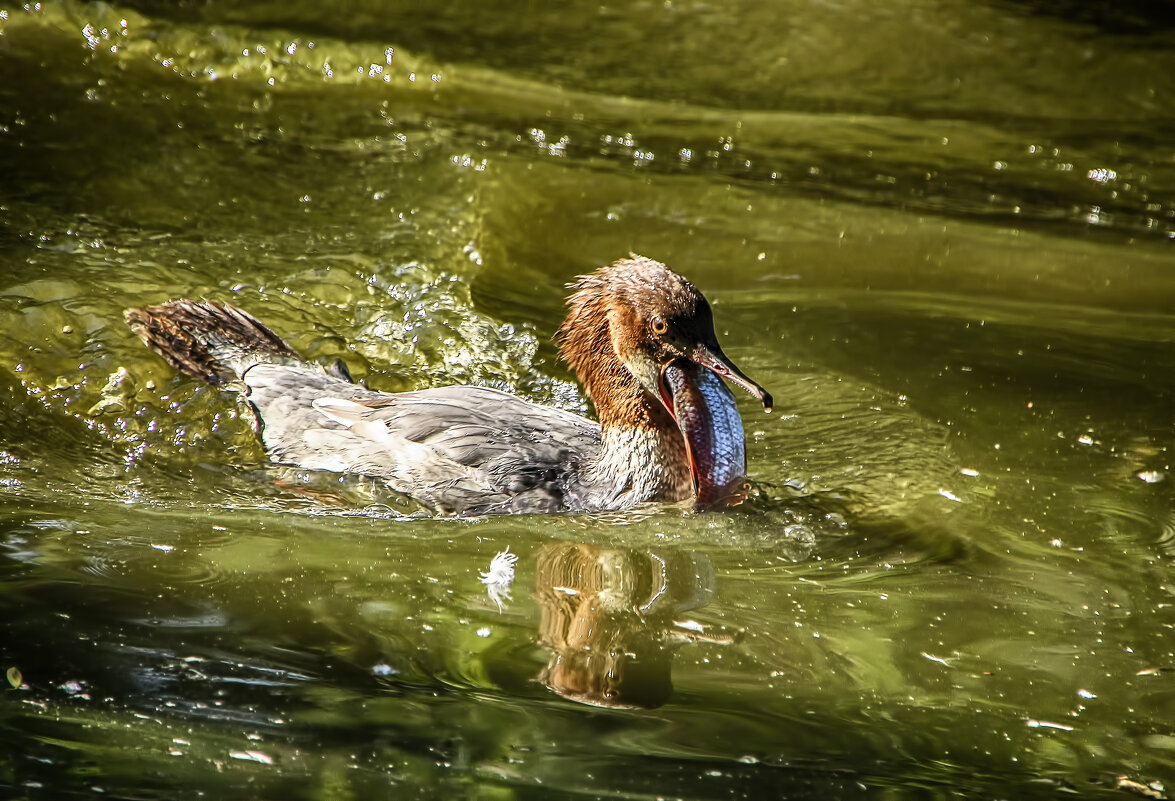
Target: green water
939	232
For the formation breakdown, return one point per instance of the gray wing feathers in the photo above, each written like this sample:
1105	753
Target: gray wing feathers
458	449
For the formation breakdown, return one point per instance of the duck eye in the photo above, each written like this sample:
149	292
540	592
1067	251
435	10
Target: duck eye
659	326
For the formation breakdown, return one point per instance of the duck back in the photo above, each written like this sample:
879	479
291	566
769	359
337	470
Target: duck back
458	449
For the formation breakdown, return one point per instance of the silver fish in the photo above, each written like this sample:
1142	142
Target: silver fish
708	418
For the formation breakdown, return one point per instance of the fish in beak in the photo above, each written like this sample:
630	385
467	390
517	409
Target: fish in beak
705	411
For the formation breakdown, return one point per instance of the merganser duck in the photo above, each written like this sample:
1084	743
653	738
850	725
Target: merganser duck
639	336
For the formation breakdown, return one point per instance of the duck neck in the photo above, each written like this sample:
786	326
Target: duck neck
642	452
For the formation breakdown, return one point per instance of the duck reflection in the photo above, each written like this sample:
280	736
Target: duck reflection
608	620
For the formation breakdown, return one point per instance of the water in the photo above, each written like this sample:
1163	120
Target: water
938	232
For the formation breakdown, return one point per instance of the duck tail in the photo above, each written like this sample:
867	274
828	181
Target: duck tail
211	341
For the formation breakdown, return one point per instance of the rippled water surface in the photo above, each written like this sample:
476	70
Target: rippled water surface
940	232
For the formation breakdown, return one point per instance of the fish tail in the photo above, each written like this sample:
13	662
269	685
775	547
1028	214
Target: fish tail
211	341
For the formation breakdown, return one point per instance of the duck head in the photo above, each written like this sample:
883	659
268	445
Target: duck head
642	340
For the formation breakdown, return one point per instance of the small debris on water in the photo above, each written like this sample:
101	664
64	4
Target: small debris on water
500	576
252	756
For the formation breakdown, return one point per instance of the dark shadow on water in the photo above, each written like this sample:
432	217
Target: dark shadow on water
1129	17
